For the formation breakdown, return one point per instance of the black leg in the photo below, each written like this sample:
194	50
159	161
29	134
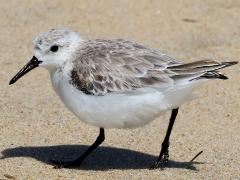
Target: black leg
163	157
78	161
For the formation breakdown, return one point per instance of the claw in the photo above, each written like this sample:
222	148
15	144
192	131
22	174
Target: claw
154	165
63	164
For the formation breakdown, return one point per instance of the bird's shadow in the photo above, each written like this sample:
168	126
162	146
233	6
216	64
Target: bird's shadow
103	158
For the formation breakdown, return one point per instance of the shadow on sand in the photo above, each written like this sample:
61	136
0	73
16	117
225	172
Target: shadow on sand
103	158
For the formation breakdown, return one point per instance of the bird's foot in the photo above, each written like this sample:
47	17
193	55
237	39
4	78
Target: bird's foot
65	164
162	161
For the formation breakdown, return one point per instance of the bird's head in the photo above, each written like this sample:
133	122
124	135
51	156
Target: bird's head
51	50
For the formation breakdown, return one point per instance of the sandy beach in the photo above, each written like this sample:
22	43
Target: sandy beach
35	126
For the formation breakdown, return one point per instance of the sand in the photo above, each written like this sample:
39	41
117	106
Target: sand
35	126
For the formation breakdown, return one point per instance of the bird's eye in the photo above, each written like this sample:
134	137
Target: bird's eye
54	48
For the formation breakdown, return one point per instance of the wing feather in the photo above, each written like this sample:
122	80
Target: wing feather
104	66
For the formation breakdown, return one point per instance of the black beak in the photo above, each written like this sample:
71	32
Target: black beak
33	63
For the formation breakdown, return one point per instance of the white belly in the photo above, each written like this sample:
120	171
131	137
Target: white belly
117	110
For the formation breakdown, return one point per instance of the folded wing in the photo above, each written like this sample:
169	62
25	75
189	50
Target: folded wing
104	66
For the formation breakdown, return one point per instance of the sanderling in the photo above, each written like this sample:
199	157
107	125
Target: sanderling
115	83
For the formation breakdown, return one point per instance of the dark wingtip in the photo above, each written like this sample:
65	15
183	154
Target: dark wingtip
230	63
221	76
214	75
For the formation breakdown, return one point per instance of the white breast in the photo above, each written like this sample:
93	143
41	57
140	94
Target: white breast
117	110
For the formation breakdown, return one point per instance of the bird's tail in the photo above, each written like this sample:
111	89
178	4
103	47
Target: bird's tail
207	69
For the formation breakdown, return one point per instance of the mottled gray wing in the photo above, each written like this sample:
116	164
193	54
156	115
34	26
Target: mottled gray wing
104	66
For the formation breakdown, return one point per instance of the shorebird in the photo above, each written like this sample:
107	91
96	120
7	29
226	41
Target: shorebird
115	83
